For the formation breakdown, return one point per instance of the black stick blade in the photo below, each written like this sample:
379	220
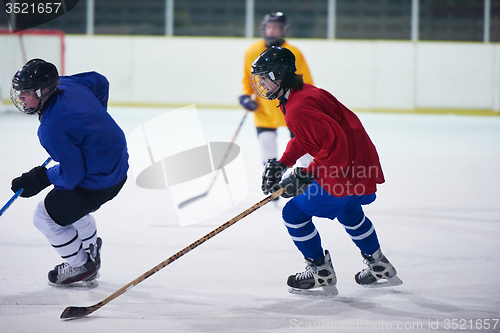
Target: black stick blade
76	312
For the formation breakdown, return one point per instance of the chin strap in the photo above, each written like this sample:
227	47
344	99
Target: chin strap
284	99
46	103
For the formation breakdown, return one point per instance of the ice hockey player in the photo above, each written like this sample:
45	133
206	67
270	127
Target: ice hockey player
342	177
267	116
78	132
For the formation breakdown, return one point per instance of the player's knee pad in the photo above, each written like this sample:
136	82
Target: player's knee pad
292	214
45	224
86	222
302	231
87	230
41	218
298	222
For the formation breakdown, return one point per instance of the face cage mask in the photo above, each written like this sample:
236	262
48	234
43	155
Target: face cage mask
19	104
42	95
265	85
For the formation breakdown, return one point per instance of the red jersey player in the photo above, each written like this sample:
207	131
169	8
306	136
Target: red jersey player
342	177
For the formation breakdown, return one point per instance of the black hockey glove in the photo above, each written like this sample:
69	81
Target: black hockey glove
32	182
271	176
248	103
296	183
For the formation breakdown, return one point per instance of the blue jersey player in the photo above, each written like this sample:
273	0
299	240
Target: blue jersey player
91	151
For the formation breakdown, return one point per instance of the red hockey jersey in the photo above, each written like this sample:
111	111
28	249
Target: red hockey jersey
345	159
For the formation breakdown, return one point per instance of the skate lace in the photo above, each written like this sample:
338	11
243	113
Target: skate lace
65	270
365	272
308	273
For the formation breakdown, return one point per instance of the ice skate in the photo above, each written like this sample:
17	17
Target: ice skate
318	273
379	273
95	253
66	276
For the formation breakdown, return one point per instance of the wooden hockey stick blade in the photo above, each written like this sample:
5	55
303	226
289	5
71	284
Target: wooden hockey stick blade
79	311
188	201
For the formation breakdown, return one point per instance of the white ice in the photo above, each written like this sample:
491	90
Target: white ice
437	217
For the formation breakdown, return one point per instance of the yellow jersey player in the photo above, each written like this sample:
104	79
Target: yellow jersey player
267	115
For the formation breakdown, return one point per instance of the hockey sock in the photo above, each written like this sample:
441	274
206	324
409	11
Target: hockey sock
302	231
64	239
359	228
87	231
268	144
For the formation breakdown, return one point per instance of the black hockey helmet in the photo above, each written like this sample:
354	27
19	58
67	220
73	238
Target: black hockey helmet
276	64
36	75
278	18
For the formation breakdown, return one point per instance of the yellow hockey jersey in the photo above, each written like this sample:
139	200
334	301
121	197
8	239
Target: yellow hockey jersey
268	113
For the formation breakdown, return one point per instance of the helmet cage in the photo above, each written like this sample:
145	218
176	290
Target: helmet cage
42	95
38	76
265	85
271	71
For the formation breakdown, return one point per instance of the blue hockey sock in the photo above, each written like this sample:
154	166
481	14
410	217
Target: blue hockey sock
303	232
360	229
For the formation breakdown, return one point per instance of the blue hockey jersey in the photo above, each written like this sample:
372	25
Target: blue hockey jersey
79	133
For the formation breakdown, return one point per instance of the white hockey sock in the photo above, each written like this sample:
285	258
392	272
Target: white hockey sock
268	145
86	227
64	239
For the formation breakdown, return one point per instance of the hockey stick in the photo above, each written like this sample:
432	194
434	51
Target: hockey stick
18	193
204	194
82	311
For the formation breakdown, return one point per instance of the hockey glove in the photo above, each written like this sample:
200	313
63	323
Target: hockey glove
296	183
32	182
271	176
248	103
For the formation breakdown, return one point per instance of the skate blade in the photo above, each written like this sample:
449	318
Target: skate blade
327	291
394	281
76	285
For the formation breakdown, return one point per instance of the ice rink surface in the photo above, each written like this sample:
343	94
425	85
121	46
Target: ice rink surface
437	218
